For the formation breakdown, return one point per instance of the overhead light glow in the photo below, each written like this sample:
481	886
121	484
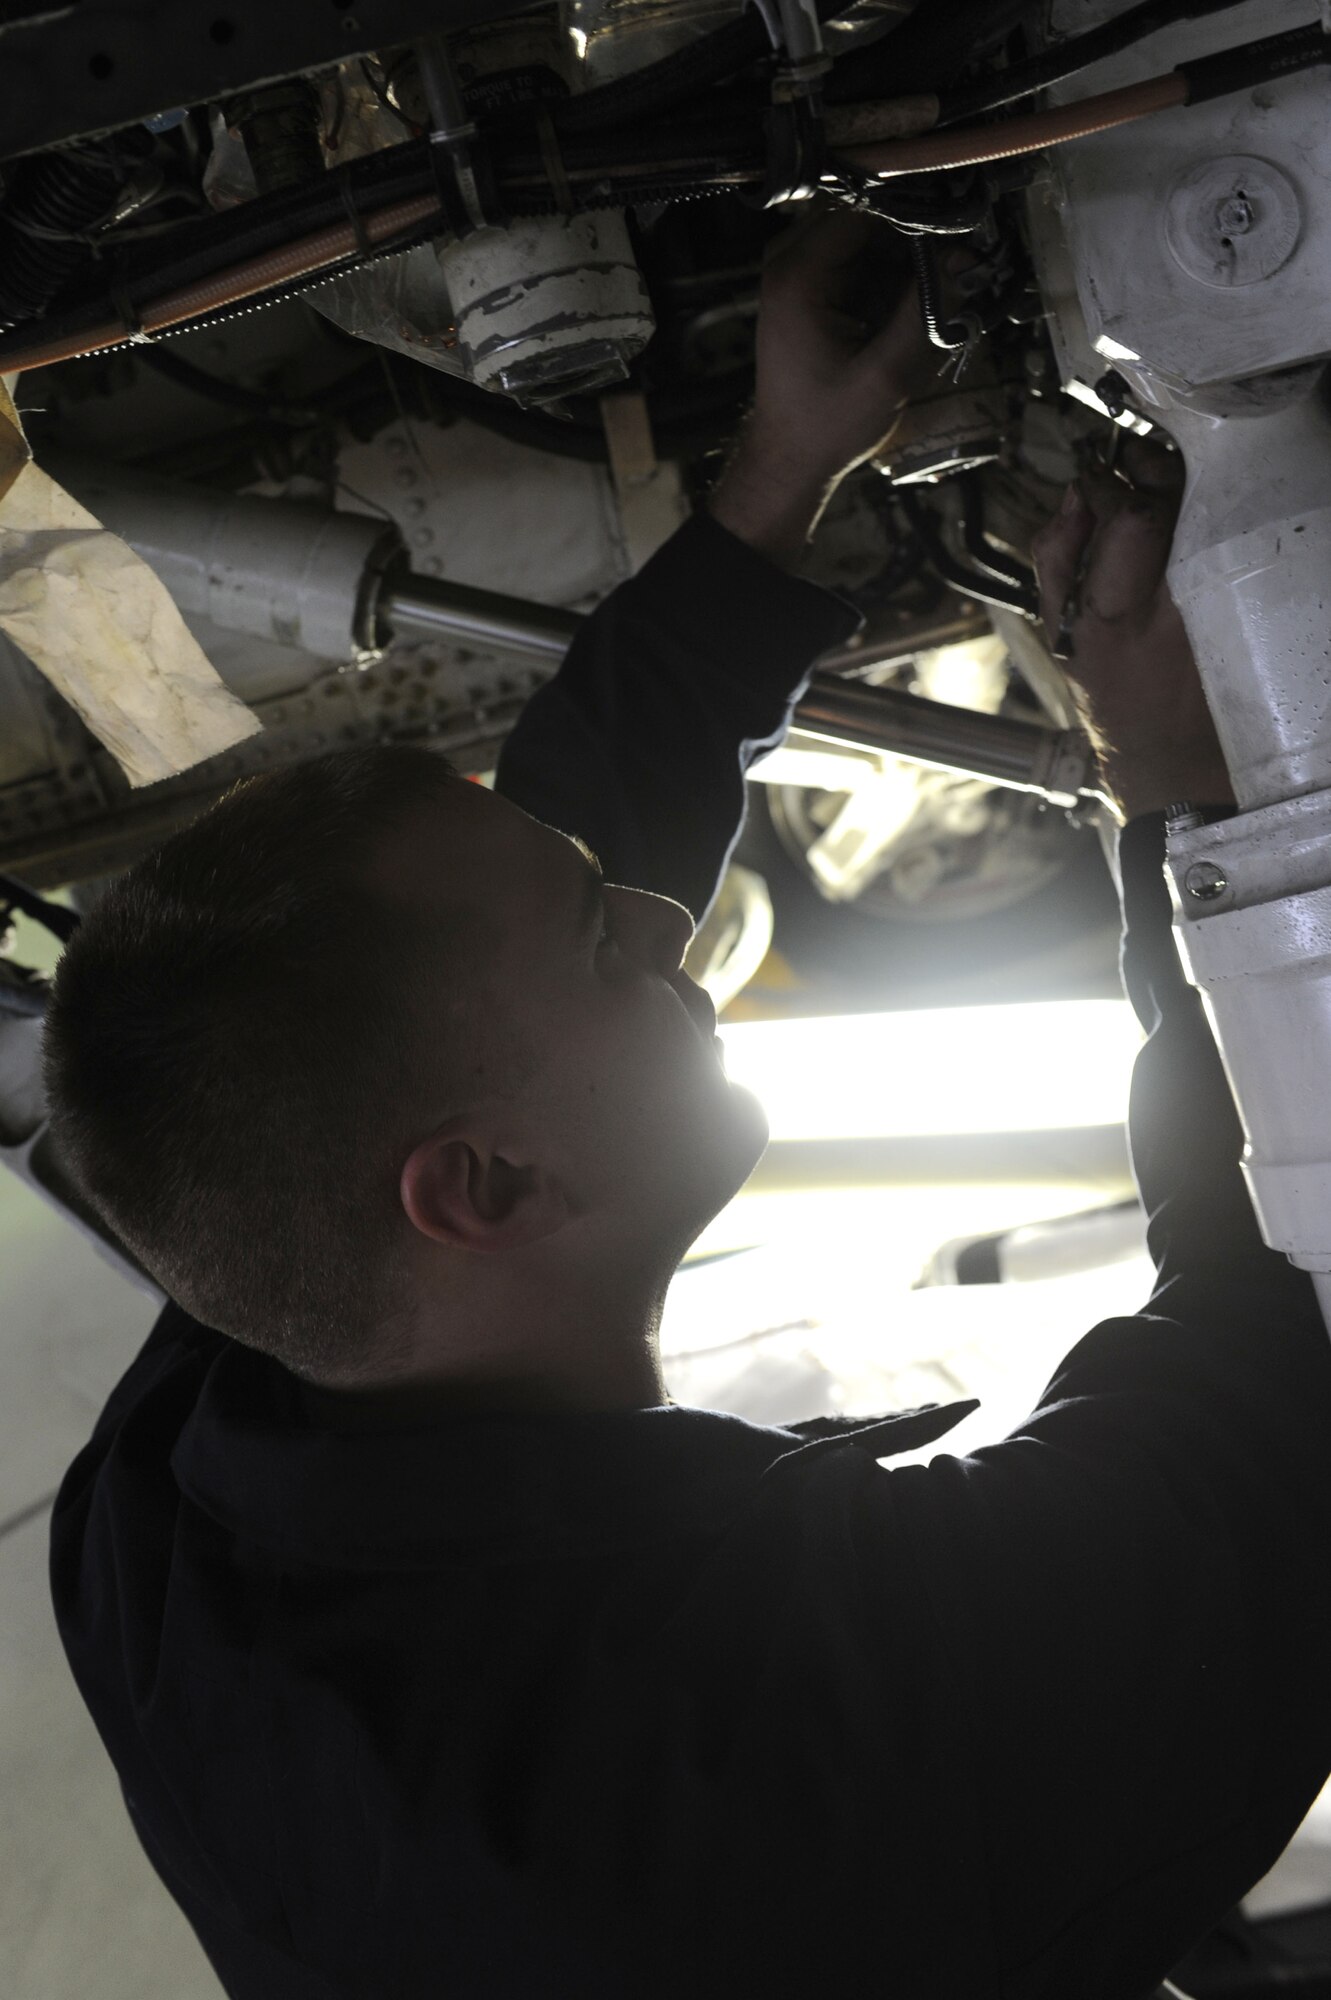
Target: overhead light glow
1038	1066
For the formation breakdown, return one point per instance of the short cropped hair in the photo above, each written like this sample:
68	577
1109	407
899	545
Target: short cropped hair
235	1063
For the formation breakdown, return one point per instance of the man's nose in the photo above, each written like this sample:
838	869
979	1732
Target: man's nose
659	931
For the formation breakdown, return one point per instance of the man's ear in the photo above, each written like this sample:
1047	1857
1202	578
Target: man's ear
455	1188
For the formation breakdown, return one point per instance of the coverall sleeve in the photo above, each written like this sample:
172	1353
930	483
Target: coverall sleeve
1132	1592
677	683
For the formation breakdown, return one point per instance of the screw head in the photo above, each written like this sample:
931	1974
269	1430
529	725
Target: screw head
1234	216
1204	881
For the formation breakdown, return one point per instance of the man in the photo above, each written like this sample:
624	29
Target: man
438	1653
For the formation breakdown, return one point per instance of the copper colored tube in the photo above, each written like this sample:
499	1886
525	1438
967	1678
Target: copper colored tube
257	274
936	151
932	151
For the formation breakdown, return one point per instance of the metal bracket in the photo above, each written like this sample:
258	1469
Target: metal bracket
458	172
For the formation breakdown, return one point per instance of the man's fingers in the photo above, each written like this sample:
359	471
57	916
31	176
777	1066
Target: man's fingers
1058	550
900	352
820	244
1129	559
1153	467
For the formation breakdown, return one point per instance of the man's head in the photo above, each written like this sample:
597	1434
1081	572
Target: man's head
365	1037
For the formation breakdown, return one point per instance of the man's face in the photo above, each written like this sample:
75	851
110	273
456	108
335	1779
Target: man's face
622	1095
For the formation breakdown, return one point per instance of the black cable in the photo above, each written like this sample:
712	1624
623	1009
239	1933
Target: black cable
1257	62
972	582
53	917
231	394
1065	59
29	1513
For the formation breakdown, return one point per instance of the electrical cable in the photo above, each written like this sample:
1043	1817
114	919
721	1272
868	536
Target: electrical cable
1193	82
230	394
929	207
1066	59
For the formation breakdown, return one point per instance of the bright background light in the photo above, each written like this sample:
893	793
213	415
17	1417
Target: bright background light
1034	1067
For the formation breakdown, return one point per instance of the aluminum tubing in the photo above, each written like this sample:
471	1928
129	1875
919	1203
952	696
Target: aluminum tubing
1264	970
303	576
427	607
1016	754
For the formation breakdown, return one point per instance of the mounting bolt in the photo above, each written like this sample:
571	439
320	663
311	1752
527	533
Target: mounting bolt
1234	216
1113	392
1204	881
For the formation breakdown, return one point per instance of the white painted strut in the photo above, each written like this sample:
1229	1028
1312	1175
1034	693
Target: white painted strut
1194	258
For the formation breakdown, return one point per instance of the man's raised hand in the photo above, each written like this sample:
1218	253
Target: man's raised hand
841	350
1101	565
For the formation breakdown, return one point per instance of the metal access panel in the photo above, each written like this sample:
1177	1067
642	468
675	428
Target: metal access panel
69	71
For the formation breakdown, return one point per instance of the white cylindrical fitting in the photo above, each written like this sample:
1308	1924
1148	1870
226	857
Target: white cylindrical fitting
548	307
303	576
1251	574
1265	972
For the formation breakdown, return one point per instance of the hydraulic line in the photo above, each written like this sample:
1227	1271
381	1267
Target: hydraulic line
1020	755
936	151
1067	59
298	259
1191	83
986	585
426	607
994	562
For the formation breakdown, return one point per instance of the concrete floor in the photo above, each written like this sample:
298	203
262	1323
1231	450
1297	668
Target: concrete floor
82	1915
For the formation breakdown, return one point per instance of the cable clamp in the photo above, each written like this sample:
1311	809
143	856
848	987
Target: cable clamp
126	311
796	151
